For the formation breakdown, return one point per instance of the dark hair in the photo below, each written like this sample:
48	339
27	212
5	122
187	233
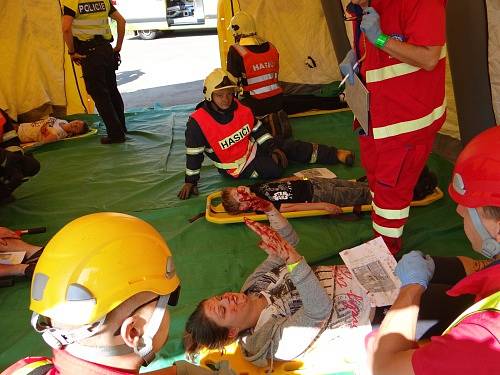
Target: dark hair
229	203
492	212
427	182
201	332
85	127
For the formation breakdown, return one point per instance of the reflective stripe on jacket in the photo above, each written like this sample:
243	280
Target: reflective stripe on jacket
261	72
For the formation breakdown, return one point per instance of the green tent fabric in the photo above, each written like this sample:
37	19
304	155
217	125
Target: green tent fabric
142	178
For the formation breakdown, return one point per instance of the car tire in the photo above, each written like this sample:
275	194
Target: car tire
148	34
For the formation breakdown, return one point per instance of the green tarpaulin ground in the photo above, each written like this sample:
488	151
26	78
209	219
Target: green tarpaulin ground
142	178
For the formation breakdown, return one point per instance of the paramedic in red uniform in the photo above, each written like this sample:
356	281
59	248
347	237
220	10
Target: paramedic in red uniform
400	49
255	63
471	345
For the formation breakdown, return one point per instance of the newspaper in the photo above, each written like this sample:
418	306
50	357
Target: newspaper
12	257
316	172
373	266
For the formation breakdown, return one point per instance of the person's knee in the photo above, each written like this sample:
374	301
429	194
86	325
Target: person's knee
31	166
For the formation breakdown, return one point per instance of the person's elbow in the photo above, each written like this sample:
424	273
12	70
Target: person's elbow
66	28
432	58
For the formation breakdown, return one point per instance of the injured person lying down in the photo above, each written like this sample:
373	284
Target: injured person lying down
329	194
286	309
50	129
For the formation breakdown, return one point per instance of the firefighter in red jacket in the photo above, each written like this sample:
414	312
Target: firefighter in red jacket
399	47
255	63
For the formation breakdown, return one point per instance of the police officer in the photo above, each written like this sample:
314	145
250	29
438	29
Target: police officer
88	36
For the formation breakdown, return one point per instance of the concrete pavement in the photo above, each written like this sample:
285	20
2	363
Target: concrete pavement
166	71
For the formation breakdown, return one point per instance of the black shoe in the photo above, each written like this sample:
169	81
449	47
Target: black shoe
349	160
109	140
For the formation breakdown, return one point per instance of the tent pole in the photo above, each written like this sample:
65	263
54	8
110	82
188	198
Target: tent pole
335	20
468	54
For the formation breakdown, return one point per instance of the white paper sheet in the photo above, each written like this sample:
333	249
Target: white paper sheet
12	257
373	266
316	172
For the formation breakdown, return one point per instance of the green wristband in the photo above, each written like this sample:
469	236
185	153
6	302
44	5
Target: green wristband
290	267
382	40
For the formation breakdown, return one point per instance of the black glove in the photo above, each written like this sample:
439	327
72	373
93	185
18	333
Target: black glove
279	158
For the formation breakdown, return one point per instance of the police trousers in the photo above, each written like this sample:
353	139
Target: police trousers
100	80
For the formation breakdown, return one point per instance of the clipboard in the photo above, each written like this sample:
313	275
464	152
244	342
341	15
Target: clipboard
358	98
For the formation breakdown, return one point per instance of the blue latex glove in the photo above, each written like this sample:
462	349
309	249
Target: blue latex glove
415	268
370	24
346	66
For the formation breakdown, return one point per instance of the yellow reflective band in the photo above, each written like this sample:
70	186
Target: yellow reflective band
257	126
191	172
396	70
264	89
388	232
15	149
209	150
391	214
490	303
32	366
93	31
409	126
264	138
195	150
93	21
262	78
9	135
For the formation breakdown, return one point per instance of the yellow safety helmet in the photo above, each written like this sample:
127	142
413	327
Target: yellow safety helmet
95	263
242	24
217	80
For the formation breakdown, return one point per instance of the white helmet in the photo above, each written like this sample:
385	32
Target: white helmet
217	80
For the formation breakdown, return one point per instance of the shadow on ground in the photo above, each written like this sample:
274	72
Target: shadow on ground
166	96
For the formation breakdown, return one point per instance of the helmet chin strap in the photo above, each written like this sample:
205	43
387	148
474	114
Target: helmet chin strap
490	247
144	347
68	339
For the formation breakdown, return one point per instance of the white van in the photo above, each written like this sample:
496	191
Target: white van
147	18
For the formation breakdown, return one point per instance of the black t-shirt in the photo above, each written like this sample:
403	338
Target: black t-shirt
295	191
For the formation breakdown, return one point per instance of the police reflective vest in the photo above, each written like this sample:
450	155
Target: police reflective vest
231	142
490	303
261	72
91	19
406	102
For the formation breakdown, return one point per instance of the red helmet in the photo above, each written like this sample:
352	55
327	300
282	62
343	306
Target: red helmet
476	177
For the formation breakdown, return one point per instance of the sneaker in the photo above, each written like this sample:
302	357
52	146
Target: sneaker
108	140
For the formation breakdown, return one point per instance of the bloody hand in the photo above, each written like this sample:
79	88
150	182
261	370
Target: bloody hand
249	201
272	243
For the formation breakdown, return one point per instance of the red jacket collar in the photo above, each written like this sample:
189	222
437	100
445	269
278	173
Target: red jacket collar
481	284
65	363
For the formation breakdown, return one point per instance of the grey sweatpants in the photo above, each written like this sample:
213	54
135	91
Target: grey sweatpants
340	192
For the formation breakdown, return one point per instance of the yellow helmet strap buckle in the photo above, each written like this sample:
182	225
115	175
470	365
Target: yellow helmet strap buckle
59	338
144	347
